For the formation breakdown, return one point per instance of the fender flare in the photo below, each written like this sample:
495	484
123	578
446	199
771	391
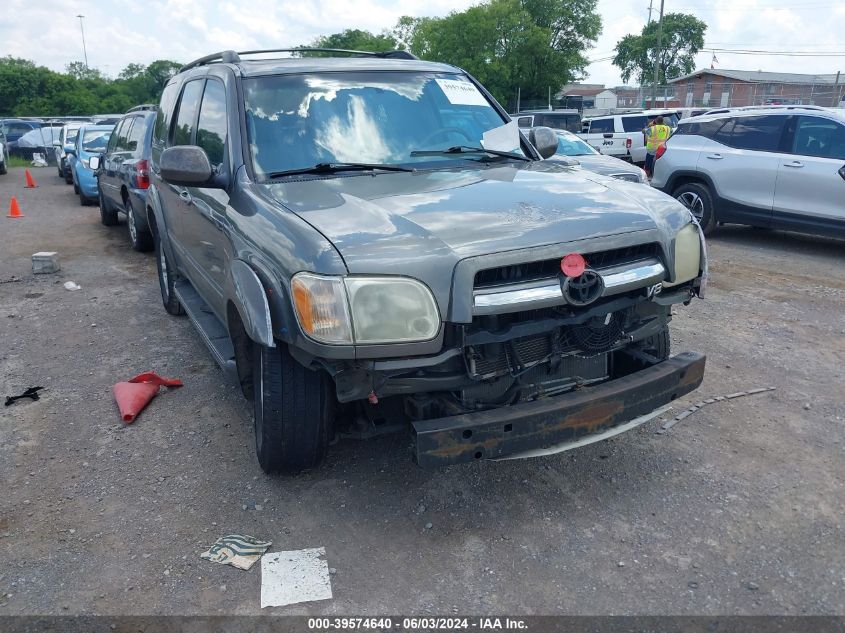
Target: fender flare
251	303
161	225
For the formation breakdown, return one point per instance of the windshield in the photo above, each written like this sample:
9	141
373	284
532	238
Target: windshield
95	140
298	121
572	146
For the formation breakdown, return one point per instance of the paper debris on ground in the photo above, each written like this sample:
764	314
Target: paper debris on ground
296	576
236	550
72	285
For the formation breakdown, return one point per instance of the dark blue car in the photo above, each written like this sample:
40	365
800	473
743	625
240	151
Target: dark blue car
124	176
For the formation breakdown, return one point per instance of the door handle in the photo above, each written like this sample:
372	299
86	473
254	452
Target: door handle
186	197
796	163
714	156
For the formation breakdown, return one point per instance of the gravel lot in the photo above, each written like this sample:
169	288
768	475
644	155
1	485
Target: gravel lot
738	509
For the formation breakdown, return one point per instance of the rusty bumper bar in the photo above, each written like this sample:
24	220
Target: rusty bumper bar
557	420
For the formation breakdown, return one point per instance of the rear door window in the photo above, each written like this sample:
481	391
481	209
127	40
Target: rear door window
759	133
186	116
123	135
135	138
211	129
634	123
601	126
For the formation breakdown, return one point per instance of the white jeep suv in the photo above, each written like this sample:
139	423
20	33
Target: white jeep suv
772	168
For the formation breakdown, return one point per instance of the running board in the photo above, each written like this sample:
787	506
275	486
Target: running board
211	331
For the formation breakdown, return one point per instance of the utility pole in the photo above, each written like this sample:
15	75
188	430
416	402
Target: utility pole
836	97
84	50
658	51
650	9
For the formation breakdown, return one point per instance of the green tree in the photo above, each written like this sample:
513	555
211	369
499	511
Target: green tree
682	38
356	40
510	45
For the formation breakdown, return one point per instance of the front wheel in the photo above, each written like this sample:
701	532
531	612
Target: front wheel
166	280
699	200
293	411
108	216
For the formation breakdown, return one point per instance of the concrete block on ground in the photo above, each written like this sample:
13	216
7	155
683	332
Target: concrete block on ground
45	262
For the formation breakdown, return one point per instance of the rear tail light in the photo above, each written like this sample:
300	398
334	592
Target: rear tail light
660	151
628	143
142	174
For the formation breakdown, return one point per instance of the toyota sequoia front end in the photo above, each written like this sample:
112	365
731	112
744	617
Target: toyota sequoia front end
371	245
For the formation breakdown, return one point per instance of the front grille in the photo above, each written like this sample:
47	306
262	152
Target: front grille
532	271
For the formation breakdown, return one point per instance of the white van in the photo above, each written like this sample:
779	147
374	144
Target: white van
621	135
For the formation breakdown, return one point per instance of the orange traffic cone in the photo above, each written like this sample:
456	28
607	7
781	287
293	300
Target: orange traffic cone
30	181
14	209
135	394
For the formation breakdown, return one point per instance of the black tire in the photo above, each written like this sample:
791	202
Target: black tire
3	168
166	276
68	176
141	240
84	200
293	411
697	198
108	216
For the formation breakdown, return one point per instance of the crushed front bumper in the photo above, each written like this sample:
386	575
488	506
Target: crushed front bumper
552	422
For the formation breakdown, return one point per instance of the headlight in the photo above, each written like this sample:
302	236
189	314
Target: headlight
364	310
687	255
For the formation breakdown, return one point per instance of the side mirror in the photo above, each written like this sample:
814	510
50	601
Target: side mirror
842	172
94	163
185	165
70	149
544	140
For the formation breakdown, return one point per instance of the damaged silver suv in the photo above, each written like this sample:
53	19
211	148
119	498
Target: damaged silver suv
367	242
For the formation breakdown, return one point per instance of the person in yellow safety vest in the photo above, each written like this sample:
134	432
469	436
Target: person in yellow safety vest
656	135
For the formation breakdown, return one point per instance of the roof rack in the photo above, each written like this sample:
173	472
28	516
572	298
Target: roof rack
143	107
232	57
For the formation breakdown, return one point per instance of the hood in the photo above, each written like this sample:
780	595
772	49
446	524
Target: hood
399	218
599	164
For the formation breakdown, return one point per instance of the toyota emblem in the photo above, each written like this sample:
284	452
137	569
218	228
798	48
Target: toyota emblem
584	289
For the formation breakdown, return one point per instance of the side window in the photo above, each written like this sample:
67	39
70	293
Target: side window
211	129
759	133
112	144
722	134
123	135
524	121
819	137
602	126
165	111
634	123
135	138
183	129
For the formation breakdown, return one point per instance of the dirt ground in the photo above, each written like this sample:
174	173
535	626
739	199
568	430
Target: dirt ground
737	510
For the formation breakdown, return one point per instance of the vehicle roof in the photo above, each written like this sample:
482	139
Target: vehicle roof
97	128
298	65
632	114
559	111
722	114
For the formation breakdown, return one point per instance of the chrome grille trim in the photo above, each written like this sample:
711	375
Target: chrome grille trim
544	293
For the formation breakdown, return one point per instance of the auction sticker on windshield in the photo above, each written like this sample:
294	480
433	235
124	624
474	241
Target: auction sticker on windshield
461	92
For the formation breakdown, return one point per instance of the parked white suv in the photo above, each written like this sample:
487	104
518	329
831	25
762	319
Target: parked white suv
774	168
621	135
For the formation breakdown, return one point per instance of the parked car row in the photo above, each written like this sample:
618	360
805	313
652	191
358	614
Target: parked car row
779	167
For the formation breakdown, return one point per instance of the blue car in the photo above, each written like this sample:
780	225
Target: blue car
124	175
91	140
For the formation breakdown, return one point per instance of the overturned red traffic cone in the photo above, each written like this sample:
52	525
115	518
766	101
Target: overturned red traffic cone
135	394
30	181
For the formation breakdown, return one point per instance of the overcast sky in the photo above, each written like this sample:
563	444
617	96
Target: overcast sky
119	32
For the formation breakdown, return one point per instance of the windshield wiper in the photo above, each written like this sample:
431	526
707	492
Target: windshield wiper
467	149
330	168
